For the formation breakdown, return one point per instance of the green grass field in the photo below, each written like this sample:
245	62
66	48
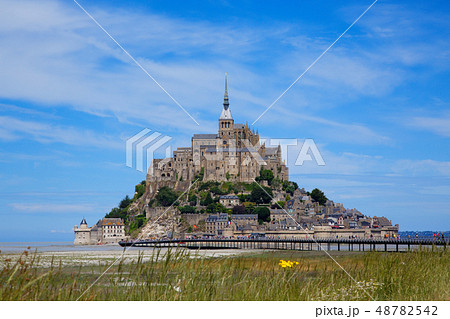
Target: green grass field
420	275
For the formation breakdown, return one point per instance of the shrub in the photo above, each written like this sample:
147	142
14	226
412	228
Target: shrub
139	190
200	175
208	200
166	196
187	210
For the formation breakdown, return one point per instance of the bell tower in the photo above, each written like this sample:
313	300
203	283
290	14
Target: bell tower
226	119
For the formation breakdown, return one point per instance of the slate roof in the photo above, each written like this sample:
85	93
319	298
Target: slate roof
229	149
110	222
271	150
229	197
217	218
226	114
205	136
383	221
244	216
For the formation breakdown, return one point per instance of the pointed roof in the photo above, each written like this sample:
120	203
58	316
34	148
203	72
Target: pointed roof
83	222
226	113
226	103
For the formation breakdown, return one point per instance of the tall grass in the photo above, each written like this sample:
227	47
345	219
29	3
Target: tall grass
174	275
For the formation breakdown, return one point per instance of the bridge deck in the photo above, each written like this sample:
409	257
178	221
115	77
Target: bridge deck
292	244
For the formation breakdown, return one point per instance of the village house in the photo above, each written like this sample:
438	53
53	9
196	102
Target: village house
277	215
215	224
241	222
229	201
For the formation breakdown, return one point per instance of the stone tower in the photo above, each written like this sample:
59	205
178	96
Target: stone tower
226	121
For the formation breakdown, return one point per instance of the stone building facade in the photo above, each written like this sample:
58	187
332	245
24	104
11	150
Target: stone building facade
241	222
215	224
229	201
234	153
106	231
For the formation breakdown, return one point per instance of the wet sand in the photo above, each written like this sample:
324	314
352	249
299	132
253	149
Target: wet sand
69	255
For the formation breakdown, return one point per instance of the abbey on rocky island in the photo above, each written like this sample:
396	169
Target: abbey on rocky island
233	154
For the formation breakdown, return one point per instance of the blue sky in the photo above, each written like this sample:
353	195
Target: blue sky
377	104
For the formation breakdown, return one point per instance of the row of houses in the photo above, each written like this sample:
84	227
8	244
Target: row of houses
303	211
247	224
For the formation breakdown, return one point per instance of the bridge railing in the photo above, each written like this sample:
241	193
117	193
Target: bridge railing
410	241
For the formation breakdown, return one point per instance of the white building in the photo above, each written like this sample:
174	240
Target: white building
229	200
106	231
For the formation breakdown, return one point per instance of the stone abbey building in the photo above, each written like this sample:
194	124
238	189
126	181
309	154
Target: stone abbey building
235	153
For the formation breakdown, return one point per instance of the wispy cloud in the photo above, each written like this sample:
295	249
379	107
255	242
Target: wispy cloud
436	125
353	164
53	54
54	231
52	208
14	129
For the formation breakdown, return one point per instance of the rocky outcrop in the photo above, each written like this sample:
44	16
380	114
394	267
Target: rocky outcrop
162	222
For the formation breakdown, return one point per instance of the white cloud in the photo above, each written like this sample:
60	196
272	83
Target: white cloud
52	208
54	231
55	55
47	133
421	168
351	164
436	125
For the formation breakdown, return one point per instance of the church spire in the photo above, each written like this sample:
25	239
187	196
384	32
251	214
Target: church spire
226	104
226	112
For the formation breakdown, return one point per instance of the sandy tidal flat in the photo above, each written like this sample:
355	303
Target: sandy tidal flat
69	255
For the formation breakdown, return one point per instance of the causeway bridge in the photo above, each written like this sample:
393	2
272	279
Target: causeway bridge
301	244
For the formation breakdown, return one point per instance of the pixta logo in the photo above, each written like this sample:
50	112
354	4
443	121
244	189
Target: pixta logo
143	145
289	147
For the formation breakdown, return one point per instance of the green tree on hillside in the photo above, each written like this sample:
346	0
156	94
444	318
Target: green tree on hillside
319	196
208	200
239	209
166	196
125	202
139	190
187	210
265	175
215	208
263	214
117	213
192	199
261	195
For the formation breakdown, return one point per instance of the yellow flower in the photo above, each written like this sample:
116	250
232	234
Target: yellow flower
288	263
